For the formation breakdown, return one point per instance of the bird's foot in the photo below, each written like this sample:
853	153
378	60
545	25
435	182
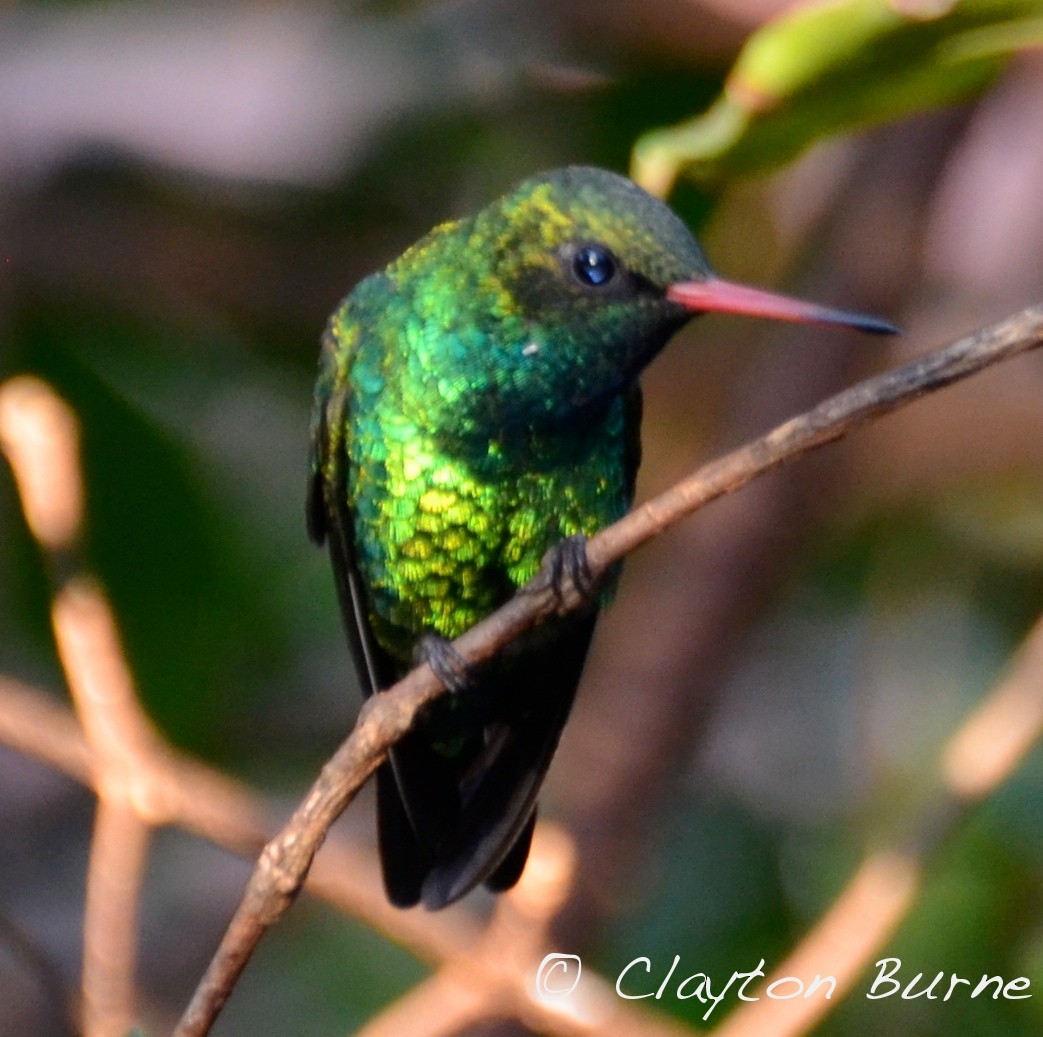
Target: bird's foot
570	574
450	667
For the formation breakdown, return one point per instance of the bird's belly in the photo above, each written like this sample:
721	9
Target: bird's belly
439	553
430	572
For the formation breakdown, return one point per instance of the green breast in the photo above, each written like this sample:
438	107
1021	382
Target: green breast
441	540
448	526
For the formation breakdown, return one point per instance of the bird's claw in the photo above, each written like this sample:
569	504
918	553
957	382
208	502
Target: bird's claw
570	570
449	666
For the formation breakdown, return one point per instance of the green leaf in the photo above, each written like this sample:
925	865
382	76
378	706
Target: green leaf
833	66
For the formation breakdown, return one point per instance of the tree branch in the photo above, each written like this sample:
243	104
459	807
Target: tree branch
284	863
174	789
494	965
39	435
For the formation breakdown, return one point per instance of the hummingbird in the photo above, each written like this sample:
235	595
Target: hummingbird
477	406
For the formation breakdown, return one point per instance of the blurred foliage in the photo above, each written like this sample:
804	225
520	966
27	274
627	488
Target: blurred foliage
179	311
829	66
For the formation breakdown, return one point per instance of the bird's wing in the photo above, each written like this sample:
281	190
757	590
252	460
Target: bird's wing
329	518
415	784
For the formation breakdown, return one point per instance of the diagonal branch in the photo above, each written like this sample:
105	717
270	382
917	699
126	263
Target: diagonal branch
284	863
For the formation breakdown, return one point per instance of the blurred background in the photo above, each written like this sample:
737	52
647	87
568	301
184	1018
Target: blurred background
187	191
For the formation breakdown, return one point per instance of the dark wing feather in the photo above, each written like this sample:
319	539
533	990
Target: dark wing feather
536	680
509	870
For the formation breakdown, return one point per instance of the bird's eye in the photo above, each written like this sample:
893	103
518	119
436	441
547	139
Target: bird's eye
594	265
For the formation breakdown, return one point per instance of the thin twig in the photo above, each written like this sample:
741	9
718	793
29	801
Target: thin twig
485	978
115	874
35	724
39	434
285	861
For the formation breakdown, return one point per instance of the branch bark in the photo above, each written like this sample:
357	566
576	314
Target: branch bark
284	863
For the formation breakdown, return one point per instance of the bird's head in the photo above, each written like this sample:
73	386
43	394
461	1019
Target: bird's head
565	288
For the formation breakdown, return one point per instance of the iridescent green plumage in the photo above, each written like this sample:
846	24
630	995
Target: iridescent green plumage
457	356
476	404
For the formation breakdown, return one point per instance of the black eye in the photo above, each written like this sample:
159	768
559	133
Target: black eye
594	265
